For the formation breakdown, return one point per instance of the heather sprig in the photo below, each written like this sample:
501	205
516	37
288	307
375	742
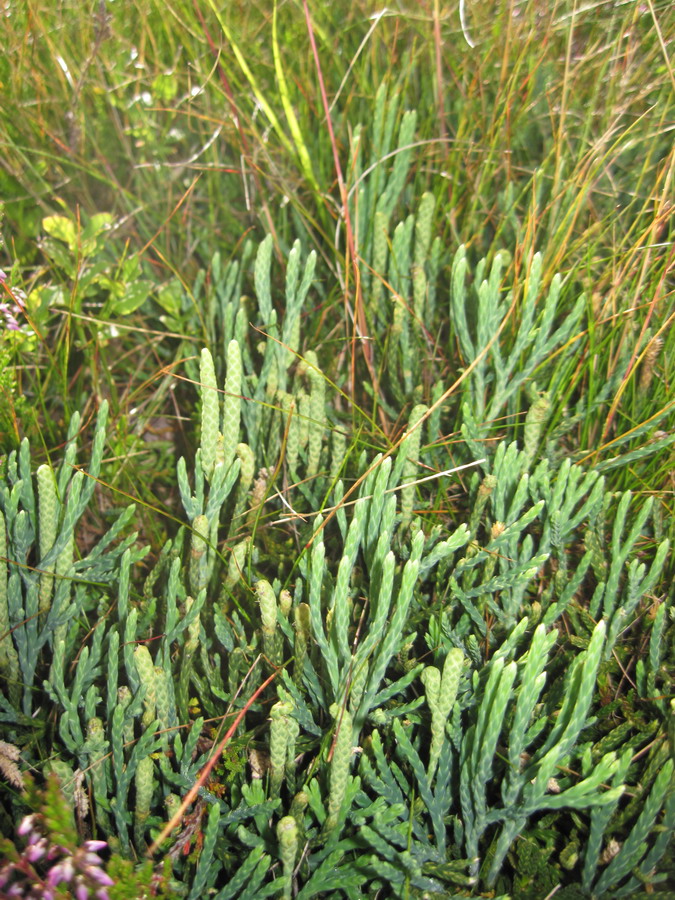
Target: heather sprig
49	858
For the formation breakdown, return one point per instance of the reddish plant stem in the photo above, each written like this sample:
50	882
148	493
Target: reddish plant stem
206	771
357	315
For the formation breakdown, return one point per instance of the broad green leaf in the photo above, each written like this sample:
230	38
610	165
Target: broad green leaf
62	228
134	296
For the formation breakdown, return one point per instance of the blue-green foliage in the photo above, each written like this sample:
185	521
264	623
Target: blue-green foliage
357	621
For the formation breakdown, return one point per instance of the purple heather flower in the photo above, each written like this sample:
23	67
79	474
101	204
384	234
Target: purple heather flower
95	845
10	311
9	314
19	297
62	871
100	877
28	821
36	851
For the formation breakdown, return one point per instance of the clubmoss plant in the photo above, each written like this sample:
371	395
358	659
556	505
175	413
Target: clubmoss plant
462	675
441	691
268	616
287	835
342	749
